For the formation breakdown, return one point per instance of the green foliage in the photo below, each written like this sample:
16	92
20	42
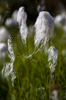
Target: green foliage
33	78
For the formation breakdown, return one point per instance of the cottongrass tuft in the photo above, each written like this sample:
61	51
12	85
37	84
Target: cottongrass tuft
44	28
52	58
21	19
8	69
10	49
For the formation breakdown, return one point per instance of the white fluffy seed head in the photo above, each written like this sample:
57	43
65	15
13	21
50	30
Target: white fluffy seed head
24	32
10	49
21	19
52	57
44	28
21	16
3	34
8	69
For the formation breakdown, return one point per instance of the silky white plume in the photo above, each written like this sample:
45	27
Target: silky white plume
44	28
21	19
52	58
8	69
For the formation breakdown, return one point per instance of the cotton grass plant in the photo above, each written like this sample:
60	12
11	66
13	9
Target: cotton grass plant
44	28
8	69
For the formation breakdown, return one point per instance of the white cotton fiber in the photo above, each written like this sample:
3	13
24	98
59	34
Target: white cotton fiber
52	58
44	28
21	19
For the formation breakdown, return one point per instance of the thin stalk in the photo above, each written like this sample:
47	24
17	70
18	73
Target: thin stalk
50	76
28	67
54	71
54	79
19	85
49	91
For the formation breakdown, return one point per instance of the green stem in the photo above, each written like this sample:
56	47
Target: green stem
19	85
49	77
28	68
49	90
54	79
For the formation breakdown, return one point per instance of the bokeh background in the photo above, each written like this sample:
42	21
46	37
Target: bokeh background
37	70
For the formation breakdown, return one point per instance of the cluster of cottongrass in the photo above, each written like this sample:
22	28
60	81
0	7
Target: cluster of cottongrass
44	28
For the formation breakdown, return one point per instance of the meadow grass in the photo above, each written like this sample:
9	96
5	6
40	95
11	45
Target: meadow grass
33	78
